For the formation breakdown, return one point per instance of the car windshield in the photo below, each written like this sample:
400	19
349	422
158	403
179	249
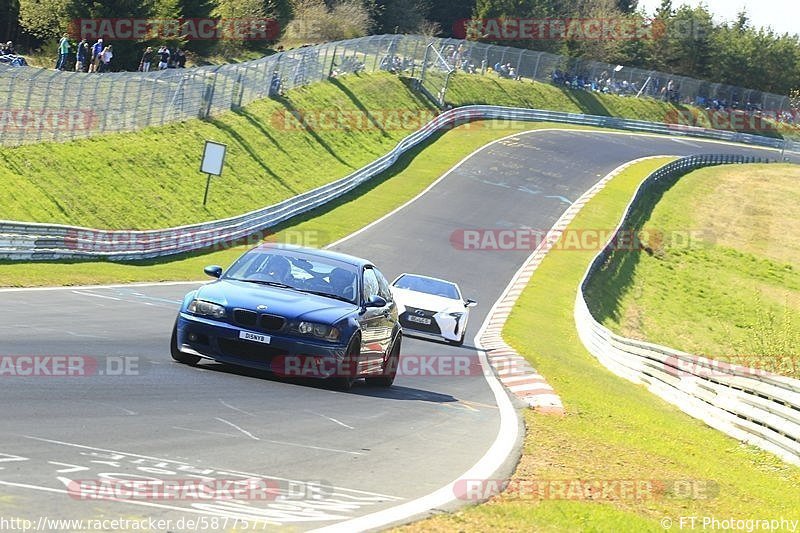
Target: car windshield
298	271
428	286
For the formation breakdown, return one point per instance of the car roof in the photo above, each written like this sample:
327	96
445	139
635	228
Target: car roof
425	277
316	252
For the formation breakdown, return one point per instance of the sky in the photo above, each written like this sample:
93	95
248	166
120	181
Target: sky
782	15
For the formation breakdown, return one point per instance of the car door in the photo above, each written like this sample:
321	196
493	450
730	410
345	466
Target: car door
373	324
390	319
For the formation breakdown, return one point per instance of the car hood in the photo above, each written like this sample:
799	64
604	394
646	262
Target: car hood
429	302
284	302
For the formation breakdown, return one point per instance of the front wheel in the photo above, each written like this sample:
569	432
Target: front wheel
390	367
178	355
349	365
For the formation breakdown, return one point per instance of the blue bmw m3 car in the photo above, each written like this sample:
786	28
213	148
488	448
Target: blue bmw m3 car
297	312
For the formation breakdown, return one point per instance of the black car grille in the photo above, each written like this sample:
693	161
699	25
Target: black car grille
250	351
245	318
271	322
253	320
433	327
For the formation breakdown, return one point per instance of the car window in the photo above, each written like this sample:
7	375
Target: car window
428	286
371	286
383	286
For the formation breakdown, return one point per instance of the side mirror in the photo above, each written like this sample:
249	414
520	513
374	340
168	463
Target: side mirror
375	301
213	270
470	303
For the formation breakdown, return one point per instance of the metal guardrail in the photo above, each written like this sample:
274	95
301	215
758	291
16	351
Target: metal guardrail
751	405
39	105
41	242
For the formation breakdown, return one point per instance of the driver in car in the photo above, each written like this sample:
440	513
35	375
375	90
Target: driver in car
276	269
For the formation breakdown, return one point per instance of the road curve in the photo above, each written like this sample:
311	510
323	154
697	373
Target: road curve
370	449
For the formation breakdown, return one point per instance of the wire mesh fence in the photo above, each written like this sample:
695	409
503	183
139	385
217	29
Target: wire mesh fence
44	105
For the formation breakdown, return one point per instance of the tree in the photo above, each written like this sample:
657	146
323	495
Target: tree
45	19
314	21
401	16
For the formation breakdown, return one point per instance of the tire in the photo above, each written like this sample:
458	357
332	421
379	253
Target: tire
390	370
178	355
345	383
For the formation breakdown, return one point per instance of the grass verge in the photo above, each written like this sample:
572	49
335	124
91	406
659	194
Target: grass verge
720	277
614	430
150	178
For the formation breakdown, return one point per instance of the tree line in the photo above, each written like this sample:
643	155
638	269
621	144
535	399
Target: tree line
676	38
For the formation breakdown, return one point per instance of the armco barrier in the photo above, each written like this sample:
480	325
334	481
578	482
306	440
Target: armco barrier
42	242
750	405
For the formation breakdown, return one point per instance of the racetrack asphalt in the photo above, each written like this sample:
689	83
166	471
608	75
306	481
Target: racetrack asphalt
376	448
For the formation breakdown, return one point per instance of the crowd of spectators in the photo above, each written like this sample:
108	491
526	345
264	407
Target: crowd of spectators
97	57
9	56
604	83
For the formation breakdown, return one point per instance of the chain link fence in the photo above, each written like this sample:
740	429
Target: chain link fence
44	105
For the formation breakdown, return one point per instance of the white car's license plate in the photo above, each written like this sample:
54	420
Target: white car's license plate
419	319
255	337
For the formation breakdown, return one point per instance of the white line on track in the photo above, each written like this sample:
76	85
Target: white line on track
234	426
93	295
229	406
331	419
217	433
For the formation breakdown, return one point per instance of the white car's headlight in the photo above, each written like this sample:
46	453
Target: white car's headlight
203	308
456	315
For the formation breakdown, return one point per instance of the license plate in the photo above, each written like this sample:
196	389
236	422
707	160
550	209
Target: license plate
419	319
255	337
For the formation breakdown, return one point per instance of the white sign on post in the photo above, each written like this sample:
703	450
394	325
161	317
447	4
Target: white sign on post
213	158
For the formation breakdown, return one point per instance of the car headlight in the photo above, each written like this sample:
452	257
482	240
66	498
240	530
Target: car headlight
315	329
457	315
203	308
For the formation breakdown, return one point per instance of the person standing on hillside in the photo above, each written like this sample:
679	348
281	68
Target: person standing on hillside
147	60
163	57
82	56
105	59
97	49
63	51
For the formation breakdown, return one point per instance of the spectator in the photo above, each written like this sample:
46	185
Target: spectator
63	51
105	58
275	85
147	60
7	49
82	56
97	49
163	57
180	62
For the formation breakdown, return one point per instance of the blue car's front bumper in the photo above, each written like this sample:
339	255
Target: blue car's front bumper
220	341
